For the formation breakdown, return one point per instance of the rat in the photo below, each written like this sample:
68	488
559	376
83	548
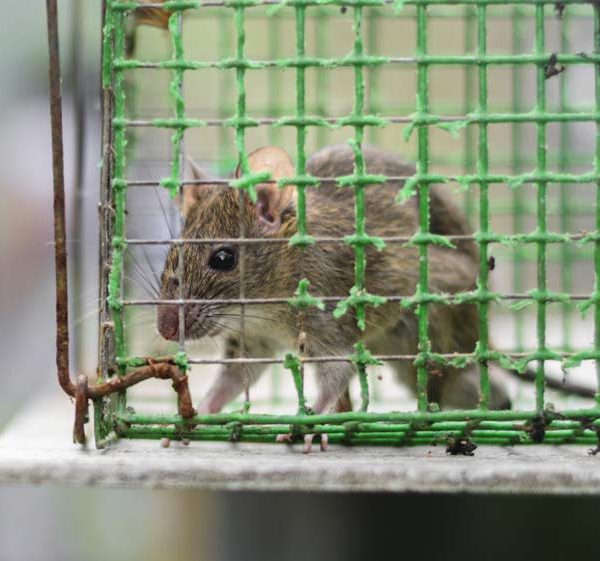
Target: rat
273	270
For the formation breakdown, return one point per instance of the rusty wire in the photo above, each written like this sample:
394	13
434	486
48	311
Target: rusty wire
81	390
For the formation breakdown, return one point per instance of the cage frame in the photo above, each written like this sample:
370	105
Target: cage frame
421	427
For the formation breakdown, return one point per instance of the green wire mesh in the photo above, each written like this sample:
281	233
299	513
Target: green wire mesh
532	241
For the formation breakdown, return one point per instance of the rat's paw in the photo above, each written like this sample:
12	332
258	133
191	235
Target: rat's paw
290	438
308	440
287	438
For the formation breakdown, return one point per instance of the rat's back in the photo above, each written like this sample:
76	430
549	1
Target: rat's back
395	269
385	217
332	207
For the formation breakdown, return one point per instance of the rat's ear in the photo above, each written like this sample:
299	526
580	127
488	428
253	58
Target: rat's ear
272	200
191	193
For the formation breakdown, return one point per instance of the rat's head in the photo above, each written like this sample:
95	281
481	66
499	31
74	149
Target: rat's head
211	271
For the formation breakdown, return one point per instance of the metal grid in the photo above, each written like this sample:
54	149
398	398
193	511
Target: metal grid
368	115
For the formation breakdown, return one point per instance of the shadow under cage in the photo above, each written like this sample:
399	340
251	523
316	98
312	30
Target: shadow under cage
491	106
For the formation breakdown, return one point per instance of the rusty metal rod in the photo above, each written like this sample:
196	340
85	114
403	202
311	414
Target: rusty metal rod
81	410
60	245
162	369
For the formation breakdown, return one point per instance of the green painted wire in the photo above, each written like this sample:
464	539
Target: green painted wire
116	26
484	213
173	182
360	260
370	437
565	213
567	418
115	23
368	61
424	345
374	72
596	294
360	239
300	11
293	364
518	195
125	6
247	180
322	36
301	114
375	103
540	107
486	427
225	87
468	163
275	109
239	123
275	85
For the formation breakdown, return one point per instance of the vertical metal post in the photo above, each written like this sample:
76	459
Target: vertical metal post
60	243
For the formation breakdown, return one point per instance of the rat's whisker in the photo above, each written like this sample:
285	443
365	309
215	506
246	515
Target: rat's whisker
150	268
142	273
224	327
85	315
149	290
213	343
274	320
164	213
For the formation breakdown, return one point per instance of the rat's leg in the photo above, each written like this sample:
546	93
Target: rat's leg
325	337
332	379
344	402
232	378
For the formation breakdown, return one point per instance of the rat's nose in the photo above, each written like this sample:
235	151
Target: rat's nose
168	321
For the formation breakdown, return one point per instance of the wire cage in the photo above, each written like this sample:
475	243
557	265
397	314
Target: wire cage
495	101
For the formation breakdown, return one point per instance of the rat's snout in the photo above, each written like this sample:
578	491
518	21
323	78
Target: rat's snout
168	321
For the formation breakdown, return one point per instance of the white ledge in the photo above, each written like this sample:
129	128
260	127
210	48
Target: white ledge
36	448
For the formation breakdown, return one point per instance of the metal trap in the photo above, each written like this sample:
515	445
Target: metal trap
495	101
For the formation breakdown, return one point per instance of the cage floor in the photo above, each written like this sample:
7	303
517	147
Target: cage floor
36	448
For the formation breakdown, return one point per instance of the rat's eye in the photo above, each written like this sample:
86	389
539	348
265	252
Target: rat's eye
223	259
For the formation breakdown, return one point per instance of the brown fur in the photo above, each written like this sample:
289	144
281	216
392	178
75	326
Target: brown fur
273	270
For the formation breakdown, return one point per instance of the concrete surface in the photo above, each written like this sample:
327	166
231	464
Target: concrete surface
36	448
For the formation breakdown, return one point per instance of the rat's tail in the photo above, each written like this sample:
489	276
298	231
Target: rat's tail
565	386
447	219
